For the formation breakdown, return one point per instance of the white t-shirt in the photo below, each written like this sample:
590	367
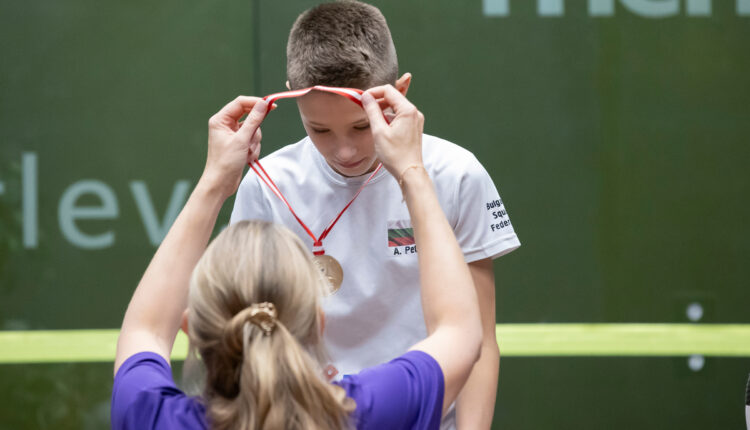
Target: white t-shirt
377	313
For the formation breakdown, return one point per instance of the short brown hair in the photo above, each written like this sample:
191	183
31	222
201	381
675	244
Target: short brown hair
342	44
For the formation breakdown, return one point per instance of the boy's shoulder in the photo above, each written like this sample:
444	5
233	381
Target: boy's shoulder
443	157
438	149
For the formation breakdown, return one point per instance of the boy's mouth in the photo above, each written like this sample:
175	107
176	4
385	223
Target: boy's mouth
351	165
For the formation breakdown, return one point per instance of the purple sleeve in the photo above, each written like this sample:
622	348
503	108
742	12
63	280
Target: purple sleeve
144	396
406	393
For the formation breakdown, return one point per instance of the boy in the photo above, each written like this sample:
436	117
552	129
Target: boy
376	315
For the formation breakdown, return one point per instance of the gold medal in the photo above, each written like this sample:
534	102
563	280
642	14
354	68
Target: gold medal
331	270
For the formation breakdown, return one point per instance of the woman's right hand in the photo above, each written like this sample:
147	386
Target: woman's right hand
398	144
233	144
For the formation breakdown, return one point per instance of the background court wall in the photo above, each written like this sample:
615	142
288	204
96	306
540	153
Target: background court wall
616	132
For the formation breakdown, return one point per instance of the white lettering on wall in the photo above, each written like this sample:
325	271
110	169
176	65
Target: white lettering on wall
653	8
29	199
550	7
68	213
606	8
602	7
698	7
495	7
157	231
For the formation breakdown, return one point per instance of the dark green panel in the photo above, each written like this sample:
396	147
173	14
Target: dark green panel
620	393
116	92
57	396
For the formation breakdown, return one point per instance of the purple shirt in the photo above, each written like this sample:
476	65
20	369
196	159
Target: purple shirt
406	393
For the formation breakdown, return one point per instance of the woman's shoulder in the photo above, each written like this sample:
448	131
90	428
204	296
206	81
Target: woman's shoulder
145	396
406	392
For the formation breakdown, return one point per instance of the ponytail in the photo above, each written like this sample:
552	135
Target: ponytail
262	370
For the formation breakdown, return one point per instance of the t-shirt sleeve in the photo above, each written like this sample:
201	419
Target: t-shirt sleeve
406	393
144	396
483	228
250	201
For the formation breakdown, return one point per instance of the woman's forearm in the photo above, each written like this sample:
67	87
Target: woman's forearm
448	293
161	296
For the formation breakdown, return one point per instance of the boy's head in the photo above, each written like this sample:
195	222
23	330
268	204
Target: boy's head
341	44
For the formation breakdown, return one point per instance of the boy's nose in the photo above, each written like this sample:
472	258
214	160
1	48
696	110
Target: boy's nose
346	153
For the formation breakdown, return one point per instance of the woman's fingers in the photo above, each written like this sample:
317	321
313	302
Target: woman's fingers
374	112
231	113
388	96
253	120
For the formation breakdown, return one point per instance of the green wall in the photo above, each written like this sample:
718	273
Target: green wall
618	142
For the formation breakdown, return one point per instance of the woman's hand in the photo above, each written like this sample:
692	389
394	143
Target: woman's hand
233	144
398	145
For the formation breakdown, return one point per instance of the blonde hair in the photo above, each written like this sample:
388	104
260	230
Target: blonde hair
254	379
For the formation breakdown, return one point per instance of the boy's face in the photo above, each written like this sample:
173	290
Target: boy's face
340	130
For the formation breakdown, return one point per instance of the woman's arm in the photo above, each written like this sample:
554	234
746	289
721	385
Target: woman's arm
153	317
449	299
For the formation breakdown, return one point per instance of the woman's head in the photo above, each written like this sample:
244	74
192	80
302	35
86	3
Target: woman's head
261	375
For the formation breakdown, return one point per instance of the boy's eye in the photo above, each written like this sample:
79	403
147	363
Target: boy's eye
362	127
320	130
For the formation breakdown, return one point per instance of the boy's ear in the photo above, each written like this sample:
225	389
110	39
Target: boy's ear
288	87
184	321
402	84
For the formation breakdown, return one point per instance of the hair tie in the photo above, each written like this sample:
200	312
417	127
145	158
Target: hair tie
263	315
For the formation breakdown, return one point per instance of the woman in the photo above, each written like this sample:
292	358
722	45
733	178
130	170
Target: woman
253	311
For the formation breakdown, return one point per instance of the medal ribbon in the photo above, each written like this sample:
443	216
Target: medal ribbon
352	94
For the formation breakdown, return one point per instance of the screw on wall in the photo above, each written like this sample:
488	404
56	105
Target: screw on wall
696	362
694	311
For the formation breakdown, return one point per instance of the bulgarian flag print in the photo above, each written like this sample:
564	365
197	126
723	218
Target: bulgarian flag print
400	233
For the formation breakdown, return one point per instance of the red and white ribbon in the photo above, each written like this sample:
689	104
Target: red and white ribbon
352	94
